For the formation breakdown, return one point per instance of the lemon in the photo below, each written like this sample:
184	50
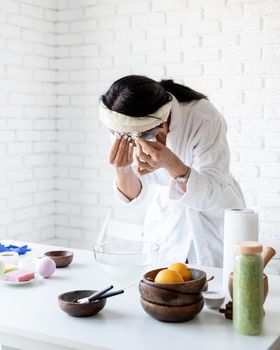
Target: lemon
182	269
169	276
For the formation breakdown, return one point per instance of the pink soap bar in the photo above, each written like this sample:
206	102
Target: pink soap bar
20	275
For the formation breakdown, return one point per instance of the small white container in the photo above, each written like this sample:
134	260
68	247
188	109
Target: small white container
213	299
9	258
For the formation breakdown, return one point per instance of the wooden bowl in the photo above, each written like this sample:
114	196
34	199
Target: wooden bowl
67	304
172	313
265	286
62	258
197	284
166	297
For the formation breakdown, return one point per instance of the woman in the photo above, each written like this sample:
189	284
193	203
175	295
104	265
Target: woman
183	153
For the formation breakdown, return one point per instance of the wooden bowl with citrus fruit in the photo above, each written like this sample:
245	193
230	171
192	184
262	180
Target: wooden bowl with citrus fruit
173	294
196	284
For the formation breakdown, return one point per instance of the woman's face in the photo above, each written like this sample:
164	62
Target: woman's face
152	133
146	135
159	132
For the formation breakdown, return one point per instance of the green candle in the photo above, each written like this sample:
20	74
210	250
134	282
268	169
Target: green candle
248	289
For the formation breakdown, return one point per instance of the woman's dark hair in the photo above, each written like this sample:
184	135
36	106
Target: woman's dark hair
137	95
181	92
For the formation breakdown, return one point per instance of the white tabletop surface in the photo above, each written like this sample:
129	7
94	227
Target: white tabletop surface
30	317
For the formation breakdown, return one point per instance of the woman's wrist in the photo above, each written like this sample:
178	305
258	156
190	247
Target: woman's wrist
176	167
127	182
123	171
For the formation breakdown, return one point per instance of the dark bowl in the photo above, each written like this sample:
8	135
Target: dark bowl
62	258
197	284
67	304
166	297
172	313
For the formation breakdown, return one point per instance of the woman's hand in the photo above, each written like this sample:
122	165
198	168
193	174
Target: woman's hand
121	153
121	156
152	156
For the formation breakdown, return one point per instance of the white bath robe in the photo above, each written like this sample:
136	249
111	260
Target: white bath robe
190	224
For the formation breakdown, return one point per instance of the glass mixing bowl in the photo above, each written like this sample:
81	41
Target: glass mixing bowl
126	261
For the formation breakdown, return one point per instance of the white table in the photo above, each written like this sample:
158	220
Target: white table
31	319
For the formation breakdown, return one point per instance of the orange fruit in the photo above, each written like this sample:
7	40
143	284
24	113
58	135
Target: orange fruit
168	276
182	269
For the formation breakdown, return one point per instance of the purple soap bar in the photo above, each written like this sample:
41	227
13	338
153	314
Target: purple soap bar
21	275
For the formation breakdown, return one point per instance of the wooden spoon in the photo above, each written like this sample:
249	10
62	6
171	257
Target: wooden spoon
267	254
210	278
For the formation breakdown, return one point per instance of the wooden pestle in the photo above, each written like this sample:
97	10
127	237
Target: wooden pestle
267	254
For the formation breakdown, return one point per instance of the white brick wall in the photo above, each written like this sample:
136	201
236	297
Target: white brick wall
26	116
58	56
226	49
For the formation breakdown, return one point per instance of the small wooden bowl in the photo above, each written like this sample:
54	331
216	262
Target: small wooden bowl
67	304
166	297
172	313
197	284
265	286
62	258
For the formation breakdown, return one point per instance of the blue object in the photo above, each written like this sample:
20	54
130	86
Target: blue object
13	248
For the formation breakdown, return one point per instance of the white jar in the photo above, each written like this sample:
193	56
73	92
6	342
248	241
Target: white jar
9	258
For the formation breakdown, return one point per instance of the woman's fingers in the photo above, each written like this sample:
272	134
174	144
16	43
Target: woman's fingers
145	158
130	153
123	155
142	172
124	160
121	149
143	165
139	147
154	153
149	157
114	150
145	146
149	147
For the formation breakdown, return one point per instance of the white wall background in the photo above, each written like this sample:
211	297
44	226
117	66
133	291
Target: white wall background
27	119
58	56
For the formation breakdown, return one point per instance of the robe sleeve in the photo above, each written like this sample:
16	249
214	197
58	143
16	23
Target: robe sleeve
209	169
146	181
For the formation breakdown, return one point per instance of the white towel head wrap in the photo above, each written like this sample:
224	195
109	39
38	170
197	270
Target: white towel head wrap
125	124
